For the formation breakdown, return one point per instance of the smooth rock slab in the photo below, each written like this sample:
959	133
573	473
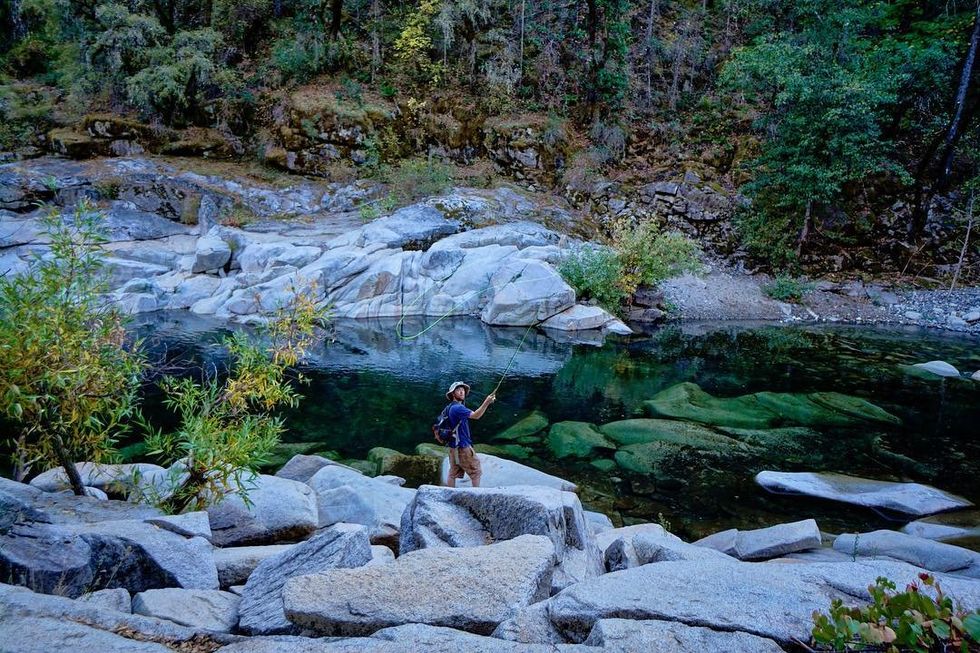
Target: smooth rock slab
236	563
950	527
281	510
472	589
208	609
775	601
905	498
765	543
446	517
934	556
102	476
115	599
939	368
670	637
499	472
340	546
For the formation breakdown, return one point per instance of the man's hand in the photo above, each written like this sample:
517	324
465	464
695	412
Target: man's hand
492	397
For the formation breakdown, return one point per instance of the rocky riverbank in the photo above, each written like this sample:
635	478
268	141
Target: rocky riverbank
236	247
326	558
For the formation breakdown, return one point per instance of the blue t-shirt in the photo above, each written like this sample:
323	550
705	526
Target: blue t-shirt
460	414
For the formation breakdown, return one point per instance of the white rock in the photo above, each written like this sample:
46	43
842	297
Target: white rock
236	563
764	543
499	472
280	510
209	609
211	253
346	495
577	318
939	368
907	498
525	293
115	599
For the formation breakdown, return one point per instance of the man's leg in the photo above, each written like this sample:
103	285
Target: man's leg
470	463
454	467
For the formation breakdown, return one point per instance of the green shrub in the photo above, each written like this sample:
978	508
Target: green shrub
648	256
595	273
68	382
906	621
416	178
788	289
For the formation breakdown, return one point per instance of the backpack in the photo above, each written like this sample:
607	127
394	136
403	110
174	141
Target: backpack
444	433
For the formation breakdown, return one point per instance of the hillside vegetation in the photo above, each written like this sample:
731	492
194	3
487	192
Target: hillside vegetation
843	123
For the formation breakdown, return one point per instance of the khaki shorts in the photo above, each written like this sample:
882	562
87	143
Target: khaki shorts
463	460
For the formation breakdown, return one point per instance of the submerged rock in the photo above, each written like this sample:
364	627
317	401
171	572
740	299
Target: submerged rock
446	517
472	589
766	410
905	498
643	431
576	439
526	426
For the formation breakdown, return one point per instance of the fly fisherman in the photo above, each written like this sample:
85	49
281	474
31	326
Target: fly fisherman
462	458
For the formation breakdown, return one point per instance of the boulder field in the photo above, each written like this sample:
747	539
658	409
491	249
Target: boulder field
325	558
240	250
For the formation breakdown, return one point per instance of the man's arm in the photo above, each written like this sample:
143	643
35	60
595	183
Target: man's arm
478	413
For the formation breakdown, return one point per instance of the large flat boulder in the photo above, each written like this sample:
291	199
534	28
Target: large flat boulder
765	543
500	472
928	554
446	517
344	495
472	589
279	510
673	637
905	498
340	546
769	600
206	609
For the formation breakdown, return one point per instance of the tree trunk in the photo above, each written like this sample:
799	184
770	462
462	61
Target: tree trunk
336	13
966	241
18	30
375	38
648	41
520	60
69	466
807	225
21	468
957	125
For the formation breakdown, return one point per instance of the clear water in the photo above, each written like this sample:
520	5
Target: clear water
370	388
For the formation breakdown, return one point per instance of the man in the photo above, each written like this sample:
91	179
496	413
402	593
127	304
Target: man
462	458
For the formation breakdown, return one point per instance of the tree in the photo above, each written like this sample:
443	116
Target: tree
68	381
825	91
226	426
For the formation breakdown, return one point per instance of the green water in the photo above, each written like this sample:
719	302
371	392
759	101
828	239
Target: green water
369	388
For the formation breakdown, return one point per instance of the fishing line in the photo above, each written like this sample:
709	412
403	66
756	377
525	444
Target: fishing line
399	326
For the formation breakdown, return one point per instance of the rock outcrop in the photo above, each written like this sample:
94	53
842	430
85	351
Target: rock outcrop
445	517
